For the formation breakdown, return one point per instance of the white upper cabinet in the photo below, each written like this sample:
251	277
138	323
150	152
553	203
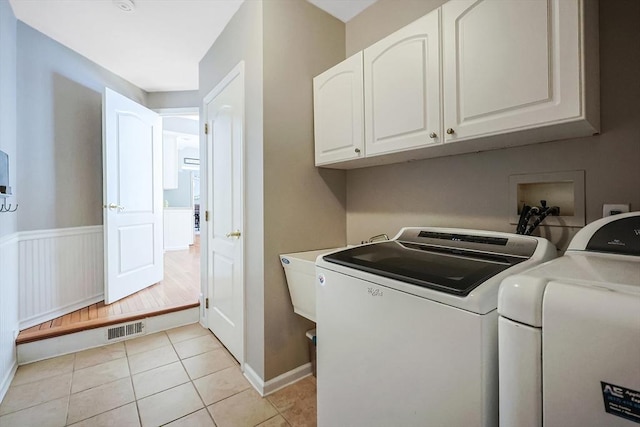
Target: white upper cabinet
473	75
337	103
512	65
402	88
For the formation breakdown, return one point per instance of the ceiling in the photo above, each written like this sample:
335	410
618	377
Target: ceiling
344	10
158	45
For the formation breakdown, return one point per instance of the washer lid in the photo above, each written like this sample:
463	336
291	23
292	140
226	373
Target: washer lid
449	270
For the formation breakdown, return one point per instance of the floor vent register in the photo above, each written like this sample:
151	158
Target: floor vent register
123	331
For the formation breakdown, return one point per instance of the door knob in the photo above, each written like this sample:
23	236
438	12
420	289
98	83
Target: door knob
113	206
357	150
235	234
450	131
433	135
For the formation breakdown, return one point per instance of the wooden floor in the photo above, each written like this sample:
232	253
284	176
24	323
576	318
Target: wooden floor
179	290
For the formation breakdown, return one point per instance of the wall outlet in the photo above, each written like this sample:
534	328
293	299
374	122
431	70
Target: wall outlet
608	210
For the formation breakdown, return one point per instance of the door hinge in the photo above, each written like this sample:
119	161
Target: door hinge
206	128
206	215
206	303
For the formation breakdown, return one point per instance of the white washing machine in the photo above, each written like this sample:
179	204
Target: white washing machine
570	333
407	329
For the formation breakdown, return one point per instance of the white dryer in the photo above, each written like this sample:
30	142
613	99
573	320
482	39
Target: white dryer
569	333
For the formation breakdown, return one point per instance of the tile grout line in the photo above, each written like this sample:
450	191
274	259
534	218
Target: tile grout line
69	393
135	395
192	380
204	406
36	381
277	410
73	371
136	398
108	382
37	404
222	347
130	376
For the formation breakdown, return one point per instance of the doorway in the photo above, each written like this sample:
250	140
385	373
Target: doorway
181	194
180	287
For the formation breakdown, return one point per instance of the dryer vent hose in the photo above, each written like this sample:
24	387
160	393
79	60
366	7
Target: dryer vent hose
539	212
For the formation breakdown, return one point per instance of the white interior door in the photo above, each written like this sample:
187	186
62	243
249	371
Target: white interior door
224	109
132	181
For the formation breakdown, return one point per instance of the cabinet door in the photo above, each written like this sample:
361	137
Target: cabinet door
402	88
509	65
337	110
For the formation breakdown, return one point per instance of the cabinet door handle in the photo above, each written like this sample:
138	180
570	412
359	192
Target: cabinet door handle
357	150
433	135
450	131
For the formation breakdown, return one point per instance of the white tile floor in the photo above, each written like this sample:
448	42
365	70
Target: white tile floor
181	377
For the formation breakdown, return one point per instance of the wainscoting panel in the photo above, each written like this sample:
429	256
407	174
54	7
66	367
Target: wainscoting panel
59	271
8	309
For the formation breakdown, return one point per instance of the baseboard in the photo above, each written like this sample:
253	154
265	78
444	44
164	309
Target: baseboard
281	381
254	378
6	381
53	314
173	320
84	340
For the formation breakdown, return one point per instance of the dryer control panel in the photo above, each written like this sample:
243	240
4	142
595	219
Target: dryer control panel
619	237
616	234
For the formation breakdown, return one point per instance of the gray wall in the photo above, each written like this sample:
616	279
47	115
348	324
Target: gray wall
383	18
59	112
180	197
181	125
472	190
8	221
182	99
242	40
304	207
290	205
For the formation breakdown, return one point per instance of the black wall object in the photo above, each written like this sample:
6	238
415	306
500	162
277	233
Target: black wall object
4	173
